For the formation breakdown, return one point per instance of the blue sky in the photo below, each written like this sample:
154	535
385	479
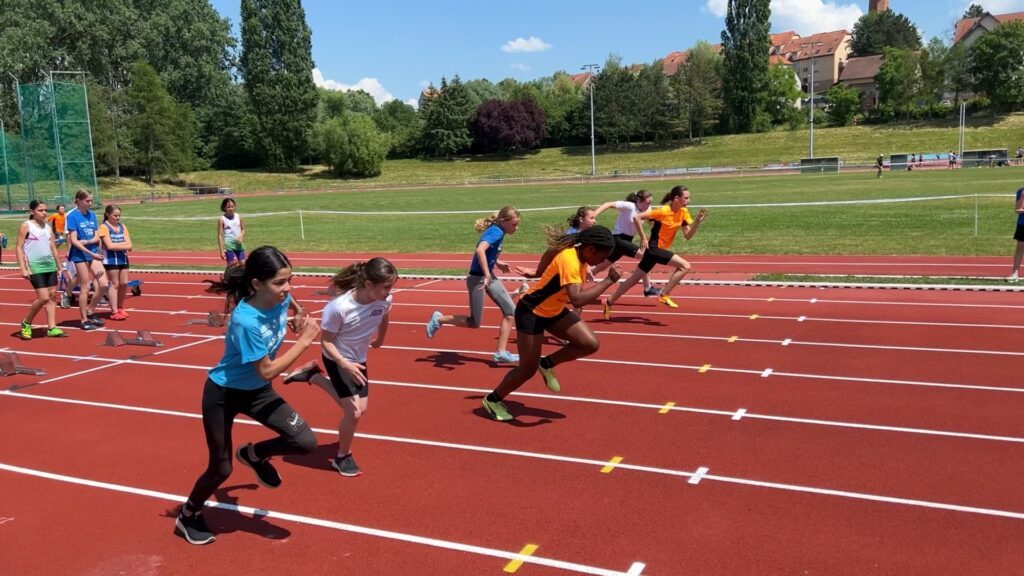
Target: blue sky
393	49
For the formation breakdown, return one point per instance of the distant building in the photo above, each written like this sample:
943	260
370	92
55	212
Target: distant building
968	30
860	73
826	52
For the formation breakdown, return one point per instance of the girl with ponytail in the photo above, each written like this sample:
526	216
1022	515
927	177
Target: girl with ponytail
628	225
481	280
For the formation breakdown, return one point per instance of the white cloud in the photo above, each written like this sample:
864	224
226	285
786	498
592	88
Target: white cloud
520	67
532	44
414	102
997	6
372	86
806	17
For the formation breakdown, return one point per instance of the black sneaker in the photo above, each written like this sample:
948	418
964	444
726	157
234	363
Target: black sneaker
193	528
88	325
346	466
265	471
96	320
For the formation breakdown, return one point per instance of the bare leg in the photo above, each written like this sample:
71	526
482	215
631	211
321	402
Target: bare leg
51	307
629	283
352	409
504	329
1018	255
529	346
42	297
582	342
113	286
682	268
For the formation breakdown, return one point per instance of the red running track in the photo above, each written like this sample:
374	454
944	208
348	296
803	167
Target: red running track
886	435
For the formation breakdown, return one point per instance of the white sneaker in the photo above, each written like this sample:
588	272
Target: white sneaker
1012	278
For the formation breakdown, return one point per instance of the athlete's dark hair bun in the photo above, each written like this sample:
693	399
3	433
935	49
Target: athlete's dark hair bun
597	236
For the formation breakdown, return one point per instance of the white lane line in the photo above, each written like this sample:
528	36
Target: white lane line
698	475
588	462
118	362
311	521
739	414
766	373
801	319
786	342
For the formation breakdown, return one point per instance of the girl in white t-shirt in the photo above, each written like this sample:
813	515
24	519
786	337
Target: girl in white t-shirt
628	225
352	322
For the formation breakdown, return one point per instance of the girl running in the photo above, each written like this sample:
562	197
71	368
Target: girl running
230	234
628	225
354	321
668	219
116	245
37	258
85	253
543	309
241	382
481	280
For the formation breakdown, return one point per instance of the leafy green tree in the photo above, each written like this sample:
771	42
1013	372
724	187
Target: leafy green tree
104	140
700	79
933	59
353	147
446	121
876	31
162	131
745	44
974	11
233	129
843	104
360	102
277	65
402	124
997	64
899	79
957	71
614	110
481	90
783	93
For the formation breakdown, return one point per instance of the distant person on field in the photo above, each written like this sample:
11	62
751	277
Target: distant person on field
231	234
57	222
1020	155
880	161
1018	235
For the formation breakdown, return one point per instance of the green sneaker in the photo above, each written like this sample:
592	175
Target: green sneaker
497	410
26	331
55	333
549	378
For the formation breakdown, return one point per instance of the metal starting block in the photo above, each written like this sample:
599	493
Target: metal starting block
213	320
145	338
10	364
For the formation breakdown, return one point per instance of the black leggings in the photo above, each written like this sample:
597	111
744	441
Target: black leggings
220	406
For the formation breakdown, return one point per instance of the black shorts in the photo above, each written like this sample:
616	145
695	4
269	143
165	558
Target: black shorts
529	323
654	255
1019	234
109	267
344	385
43	280
623	247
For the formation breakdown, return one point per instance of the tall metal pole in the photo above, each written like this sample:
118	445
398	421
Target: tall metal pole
593	148
7	174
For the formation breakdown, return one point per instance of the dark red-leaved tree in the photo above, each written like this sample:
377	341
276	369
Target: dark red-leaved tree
507	126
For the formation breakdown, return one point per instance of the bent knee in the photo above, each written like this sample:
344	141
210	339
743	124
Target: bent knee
305	441
589	345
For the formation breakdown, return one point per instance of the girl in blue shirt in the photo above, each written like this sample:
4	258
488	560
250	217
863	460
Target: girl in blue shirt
240	382
481	279
82	229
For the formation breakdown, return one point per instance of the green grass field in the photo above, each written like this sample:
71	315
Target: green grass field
929	227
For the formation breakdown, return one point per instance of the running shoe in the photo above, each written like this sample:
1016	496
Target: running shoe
88	325
549	378
668	301
433	325
607	310
265	471
26	331
497	410
118	316
304	374
65	301
55	333
652	291
123	312
505	357
1012	278
95	319
346	466
193	528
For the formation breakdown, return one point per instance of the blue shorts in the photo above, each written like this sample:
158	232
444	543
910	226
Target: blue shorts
232	255
77	257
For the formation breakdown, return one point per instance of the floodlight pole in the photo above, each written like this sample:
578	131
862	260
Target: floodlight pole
812	45
7	174
593	150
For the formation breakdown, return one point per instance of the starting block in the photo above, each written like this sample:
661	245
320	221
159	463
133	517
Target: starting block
10	364
214	320
135	286
145	338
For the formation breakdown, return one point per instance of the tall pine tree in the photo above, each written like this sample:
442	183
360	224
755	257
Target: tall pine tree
277	65
745	45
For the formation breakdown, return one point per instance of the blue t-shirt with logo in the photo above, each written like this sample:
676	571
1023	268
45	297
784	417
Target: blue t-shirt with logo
494	236
1020	217
252	334
85	225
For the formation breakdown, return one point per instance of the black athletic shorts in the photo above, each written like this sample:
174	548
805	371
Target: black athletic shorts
623	247
43	280
529	323
1019	234
343	385
654	255
109	267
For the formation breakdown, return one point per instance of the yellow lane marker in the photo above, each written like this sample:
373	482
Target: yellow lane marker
733	338
611	465
665	409
704	368
753	316
514	565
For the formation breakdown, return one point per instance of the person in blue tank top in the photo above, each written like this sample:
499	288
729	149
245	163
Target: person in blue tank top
1018	235
241	382
481	279
117	243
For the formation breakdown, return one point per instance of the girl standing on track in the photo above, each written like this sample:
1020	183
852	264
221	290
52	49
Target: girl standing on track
230	234
668	219
84	252
116	245
241	382
628	225
37	258
543	309
481	280
354	321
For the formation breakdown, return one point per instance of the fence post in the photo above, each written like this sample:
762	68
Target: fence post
975	214
302	225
